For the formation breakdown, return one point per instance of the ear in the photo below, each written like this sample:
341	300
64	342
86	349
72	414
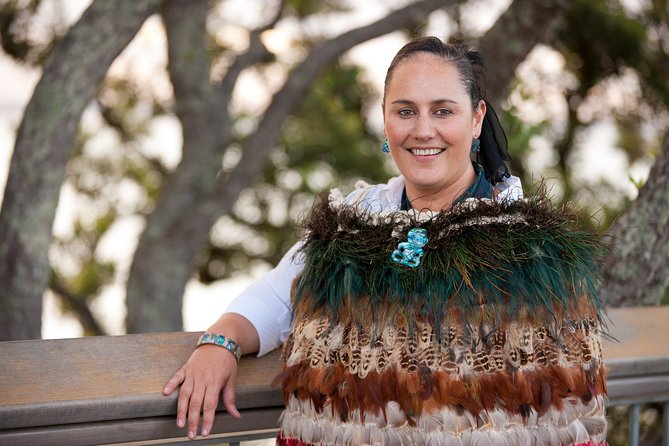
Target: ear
383	113
477	119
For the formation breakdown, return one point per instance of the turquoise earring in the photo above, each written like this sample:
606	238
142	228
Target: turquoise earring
476	146
385	148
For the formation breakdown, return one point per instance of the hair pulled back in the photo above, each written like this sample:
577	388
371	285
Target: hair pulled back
468	62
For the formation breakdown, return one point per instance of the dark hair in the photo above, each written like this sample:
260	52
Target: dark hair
494	150
466	60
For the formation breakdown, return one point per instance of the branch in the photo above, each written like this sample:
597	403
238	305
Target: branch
521	27
188	65
255	53
71	74
79	306
286	100
205	122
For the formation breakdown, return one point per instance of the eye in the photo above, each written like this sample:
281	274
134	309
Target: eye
443	112
405	112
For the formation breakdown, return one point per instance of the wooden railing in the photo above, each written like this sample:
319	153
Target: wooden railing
103	390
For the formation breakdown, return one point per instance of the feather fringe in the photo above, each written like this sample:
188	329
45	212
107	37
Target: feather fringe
582	423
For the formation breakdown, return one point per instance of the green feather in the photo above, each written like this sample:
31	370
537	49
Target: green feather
533	263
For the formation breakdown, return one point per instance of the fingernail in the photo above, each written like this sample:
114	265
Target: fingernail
191	435
205	432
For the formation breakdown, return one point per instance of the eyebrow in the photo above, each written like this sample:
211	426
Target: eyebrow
436	101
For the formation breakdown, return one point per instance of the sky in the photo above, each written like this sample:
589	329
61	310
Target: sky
145	59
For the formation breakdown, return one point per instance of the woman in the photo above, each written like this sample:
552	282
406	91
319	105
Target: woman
435	309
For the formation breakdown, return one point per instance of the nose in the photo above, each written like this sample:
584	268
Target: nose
423	129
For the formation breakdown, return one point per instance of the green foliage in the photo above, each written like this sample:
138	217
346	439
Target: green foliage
604	46
84	276
665	299
650	425
519	134
325	144
16	36
120	100
637	183
599	40
107	165
306	8
91	277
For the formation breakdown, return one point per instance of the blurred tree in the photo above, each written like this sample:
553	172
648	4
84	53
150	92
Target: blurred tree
325	144
636	272
195	195
599	42
113	182
72	72
308	138
603	42
17	31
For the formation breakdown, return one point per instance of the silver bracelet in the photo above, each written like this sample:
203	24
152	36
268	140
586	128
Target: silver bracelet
221	341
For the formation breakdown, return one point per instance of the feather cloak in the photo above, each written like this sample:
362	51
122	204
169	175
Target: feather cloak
493	339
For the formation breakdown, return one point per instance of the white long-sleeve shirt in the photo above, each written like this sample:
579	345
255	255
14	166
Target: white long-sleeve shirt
266	302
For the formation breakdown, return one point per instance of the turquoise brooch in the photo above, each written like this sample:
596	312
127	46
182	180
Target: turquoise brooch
410	252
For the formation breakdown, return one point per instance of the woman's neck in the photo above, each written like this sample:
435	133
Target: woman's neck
440	199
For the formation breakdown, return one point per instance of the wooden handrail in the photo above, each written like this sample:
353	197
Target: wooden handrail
108	389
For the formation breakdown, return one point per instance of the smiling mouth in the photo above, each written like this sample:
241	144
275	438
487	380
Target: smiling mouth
426	152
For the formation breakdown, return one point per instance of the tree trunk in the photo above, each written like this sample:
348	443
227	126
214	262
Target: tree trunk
636	270
521	27
71	74
167	250
206	132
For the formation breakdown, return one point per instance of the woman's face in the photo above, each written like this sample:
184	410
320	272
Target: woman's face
430	123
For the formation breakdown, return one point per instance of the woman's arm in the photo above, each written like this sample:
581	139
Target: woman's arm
209	371
258	320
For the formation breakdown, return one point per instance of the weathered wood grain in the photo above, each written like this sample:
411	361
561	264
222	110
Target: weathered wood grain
109	432
109	378
109	389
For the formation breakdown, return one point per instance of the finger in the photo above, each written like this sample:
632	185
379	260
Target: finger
194	410
229	397
182	405
174	382
209	408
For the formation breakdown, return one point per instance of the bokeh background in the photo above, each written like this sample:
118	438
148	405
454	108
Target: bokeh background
158	155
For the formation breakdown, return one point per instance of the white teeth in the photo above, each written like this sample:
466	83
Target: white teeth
425	152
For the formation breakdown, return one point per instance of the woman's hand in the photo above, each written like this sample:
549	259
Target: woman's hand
209	370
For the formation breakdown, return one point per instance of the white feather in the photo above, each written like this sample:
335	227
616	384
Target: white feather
594	425
520	437
396	416
338	435
393	437
580	434
545	436
352	435
376	435
453	440
565	435
479	438
430	421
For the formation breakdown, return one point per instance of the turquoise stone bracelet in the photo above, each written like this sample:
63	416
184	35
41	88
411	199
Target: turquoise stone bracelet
221	341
